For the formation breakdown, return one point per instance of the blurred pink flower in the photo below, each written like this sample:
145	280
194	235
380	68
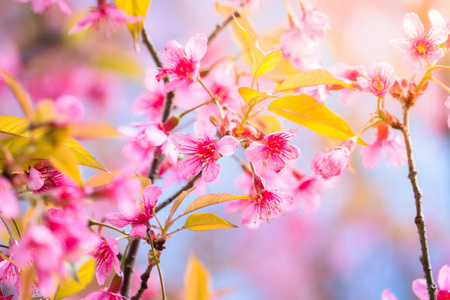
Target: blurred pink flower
69	109
335	161
39	6
297	47
151	102
3	296
447	104
275	149
314	22
106	255
348	74
182	63
104	19
394	147
43	177
203	150
306	191
379	80
8	201
421	49
387	295
103	295
10	273
143	212
419	286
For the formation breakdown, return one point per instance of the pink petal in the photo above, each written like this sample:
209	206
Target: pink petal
151	194
419	287
414	63
47	282
396	151
35	181
362	82
249	215
349	97
189	168
387	295
113	244
173	85
155	136
204	129
255	152
197	45
139	230
120	16
439	34
436	18
401	44
117	220
64	7
310	203
211	171
86	22
371	155
447	102
413	25
228	145
185	142
444	278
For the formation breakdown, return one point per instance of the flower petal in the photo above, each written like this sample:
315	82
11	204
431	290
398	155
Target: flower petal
371	155
211	171
204	129
419	287
444	278
139	230
413	25
227	145
255	152
197	45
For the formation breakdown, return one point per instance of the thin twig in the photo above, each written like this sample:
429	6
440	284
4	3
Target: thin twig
128	267
419	220
144	279
186	187
220	27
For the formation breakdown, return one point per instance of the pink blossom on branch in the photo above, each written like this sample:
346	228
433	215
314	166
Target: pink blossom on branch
106	255
394	147
419	286
275	149
143	212
421	49
203	150
182	63
379	79
39	6
104	19
335	161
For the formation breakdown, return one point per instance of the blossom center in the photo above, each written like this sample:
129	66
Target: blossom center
207	150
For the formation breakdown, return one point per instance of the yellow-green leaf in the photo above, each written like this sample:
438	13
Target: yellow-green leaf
100	179
70	286
13	125
269	62
247	93
93	130
177	202
135	8
63	160
20	94
306	111
310	78
196	281
252	48
206	221
82	155
210	199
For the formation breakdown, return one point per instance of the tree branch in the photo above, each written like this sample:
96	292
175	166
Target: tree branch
128	267
220	27
144	279
420	219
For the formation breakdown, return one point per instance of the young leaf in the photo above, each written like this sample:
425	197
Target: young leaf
14	126
206	221
100	179
249	94
70	286
306	111
210	199
19	93
196	281
310	78
82	155
271	59
135	8
177	202
93	130
63	160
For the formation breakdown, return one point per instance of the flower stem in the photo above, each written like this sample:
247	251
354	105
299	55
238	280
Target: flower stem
419	220
155	259
92	222
446	88
17	227
213	99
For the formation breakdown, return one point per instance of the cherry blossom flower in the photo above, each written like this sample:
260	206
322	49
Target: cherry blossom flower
104	18
69	110
394	147
297	47
182	63
387	295
203	151
143	212
335	161
422	49
39	6
348	74
10	273
274	150
379	80
44	177
8	201
111	293
314	22
106	255
152	101
306	191
419	286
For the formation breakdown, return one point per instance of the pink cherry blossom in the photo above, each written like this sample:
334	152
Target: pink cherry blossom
43	177
379	80
69	110
152	101
348	74
10	273
306	191
103	295
275	149
39	6
387	295
335	161
421	48
297	47
143	212
104	19
314	22
394	147
203	151
182	63
8	201
419	286
106	255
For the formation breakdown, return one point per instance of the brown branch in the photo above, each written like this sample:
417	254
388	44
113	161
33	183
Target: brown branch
220	27
128	267
420	219
144	279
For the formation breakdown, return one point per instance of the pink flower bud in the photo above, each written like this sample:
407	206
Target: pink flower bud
335	161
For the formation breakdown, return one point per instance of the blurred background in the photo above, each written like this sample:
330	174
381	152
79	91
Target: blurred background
361	240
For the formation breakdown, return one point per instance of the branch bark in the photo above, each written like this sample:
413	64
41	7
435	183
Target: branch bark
420	219
220	27
128	267
144	279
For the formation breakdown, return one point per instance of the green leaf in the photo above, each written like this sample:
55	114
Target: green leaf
14	126
196	281
211	199
70	286
310	78
19	93
269	62
306	111
206	221
135	8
